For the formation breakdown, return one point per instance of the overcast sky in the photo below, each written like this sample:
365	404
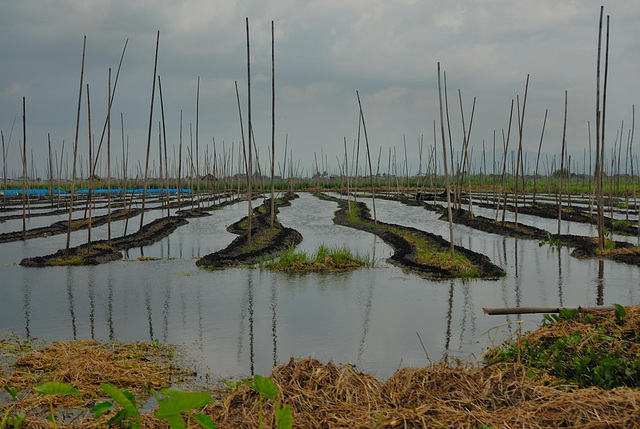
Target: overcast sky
325	50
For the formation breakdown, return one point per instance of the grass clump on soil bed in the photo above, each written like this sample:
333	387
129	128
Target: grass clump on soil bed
323	260
417	250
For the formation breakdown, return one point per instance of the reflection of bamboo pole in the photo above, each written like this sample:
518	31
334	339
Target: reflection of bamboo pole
146	168
75	151
446	173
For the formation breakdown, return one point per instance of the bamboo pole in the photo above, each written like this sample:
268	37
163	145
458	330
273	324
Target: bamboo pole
109	164
520	131
366	139
249	165
535	310
446	173
146	167
75	151
25	191
273	126
89	196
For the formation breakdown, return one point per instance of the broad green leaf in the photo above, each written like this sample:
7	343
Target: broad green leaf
204	421
100	408
620	311
265	386
11	391
121	398
175	421
120	415
56	388
17	419
181	401
284	419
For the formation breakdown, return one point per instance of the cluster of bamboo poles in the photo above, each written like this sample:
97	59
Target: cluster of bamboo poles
455	172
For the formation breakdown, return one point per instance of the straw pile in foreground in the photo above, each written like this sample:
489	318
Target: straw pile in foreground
501	394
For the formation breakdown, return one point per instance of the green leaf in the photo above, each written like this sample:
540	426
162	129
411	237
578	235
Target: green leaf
121	398
265	387
100	408
204	421
11	391
181	401
17	419
175	421
620	312
284	419
56	388
120	415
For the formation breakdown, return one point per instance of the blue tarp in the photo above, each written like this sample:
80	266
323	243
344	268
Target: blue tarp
97	191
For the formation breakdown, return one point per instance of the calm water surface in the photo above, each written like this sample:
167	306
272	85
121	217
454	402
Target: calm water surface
241	321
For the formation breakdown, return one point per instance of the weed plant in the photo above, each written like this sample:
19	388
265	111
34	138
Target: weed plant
581	349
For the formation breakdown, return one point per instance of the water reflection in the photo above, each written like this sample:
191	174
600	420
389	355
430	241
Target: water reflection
72	311
600	283
239	321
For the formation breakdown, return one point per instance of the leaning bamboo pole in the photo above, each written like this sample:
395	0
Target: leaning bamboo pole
520	131
446	173
535	177
146	167
366	139
75	151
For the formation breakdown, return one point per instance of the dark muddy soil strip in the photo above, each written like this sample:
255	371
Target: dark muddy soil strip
584	247
99	252
266	241
405	252
60	227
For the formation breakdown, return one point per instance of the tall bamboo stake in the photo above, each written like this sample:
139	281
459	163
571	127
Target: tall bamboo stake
535	177
25	191
50	170
249	167
521	126
146	166
109	164
89	196
75	151
273	125
562	156
446	172
366	139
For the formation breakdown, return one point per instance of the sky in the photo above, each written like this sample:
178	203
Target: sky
325	51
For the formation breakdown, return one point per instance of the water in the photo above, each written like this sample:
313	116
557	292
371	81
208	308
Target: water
240	321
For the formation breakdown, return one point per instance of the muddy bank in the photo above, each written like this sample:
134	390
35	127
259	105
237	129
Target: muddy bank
61	226
100	251
584	247
405	252
266	241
